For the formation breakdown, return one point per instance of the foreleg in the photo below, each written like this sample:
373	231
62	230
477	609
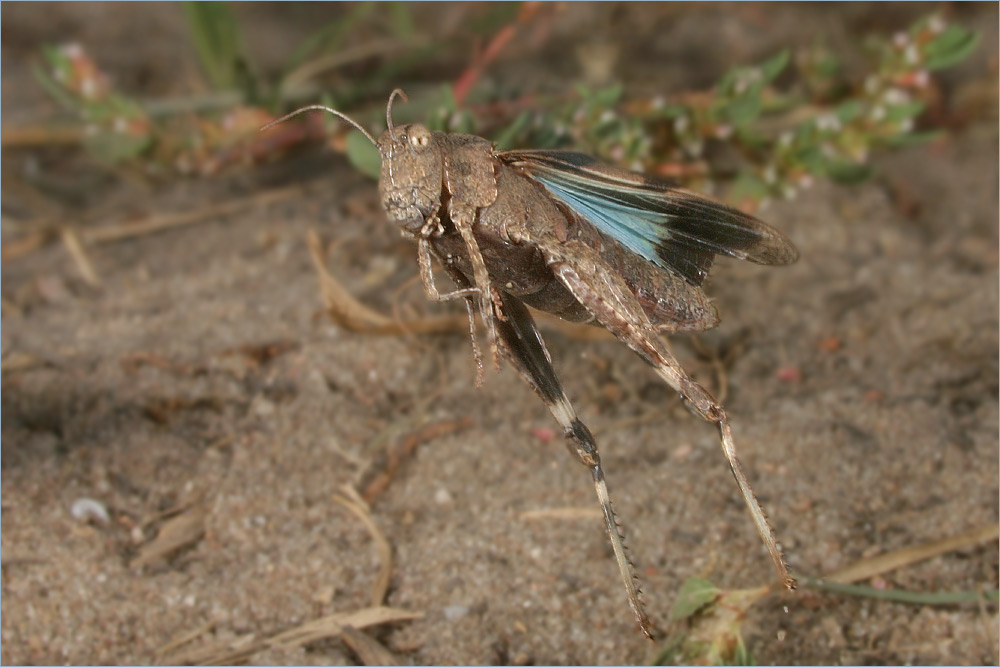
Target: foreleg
463	217
468	293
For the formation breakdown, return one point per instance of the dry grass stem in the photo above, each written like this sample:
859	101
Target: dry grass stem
159	223
369	651
353	315
26	245
181	640
182	530
357	506
230	650
76	250
872	567
395	456
41	135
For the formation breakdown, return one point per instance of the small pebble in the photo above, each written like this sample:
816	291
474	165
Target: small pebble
443	497
455	611
88	509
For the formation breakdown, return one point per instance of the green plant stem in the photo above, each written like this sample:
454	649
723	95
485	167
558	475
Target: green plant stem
898	595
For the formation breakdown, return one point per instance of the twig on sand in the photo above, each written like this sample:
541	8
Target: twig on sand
359	508
230	650
871	567
158	223
74	246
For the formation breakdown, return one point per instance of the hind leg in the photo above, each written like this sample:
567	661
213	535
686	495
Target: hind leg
609	300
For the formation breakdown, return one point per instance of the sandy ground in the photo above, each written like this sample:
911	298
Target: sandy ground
201	389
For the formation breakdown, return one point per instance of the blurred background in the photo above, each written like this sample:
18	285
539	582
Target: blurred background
233	426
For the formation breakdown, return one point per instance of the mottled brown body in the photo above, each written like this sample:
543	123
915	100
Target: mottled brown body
519	215
521	228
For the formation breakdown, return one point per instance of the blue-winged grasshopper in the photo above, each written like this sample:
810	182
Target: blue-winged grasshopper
585	241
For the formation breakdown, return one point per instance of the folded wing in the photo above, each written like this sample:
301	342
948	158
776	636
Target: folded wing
675	229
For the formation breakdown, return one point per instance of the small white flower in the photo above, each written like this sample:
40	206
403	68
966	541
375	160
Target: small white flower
88	87
900	40
694	148
828	122
681	124
936	24
770	174
911	55
895	96
73	50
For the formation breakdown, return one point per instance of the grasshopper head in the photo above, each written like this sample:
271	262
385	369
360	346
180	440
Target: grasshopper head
412	172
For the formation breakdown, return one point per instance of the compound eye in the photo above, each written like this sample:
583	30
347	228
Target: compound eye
420	137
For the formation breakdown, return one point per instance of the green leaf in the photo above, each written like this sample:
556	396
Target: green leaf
749	185
672	111
742	110
672	652
728	80
848	173
752	139
903	111
848	111
695	594
55	89
330	37
605	98
509	134
806	132
951	47
741	656
448	97
363	155
770	69
217	41
111	147
401	21
827	65
913	138
463	121
813	159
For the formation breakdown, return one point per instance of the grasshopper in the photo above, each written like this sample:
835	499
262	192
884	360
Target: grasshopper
588	242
